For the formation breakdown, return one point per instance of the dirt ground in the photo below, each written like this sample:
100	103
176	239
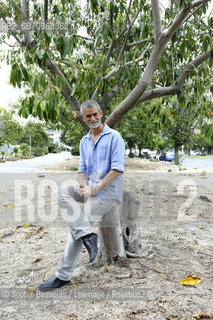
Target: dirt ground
176	221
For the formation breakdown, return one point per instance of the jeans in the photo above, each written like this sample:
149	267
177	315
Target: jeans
80	221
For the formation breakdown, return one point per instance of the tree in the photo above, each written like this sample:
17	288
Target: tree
130	54
201	142
187	113
142	126
35	131
10	130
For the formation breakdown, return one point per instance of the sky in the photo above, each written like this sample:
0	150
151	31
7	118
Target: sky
8	94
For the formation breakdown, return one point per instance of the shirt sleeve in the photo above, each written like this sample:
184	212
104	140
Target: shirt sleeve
117	153
82	166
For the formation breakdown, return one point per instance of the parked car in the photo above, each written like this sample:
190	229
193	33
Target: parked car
202	153
153	154
167	156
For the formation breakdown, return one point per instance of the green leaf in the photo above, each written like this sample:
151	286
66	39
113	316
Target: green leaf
205	45
58	82
43	105
40	53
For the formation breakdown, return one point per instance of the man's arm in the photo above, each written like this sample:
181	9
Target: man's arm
108	179
87	191
82	179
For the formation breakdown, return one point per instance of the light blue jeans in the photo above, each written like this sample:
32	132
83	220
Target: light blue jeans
80	221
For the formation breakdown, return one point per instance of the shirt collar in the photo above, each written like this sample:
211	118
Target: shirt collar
105	130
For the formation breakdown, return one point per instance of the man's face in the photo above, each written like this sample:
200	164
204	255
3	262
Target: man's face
92	117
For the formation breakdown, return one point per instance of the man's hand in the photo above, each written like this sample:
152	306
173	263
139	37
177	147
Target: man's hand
85	191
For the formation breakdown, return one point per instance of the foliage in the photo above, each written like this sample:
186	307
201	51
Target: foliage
52	147
126	58
35	131
24	149
72	131
142	127
75	151
39	151
10	131
201	142
15	150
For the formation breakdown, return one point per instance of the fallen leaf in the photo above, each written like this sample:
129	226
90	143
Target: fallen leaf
28	235
190	281
7	234
37	260
26	225
199	316
9	205
40	229
31	290
200	227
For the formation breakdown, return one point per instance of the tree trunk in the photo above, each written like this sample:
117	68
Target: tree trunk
119	233
177	154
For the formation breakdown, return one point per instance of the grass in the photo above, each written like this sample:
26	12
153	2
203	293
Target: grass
73	168
203	173
208	157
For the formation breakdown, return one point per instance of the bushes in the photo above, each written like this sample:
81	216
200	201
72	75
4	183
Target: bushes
37	152
131	155
75	151
24	149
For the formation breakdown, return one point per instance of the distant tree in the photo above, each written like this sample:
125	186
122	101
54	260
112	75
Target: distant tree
10	130
36	132
141	127
201	142
187	113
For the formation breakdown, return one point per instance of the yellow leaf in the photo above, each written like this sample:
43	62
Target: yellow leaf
9	205
190	281
28	235
26	225
200	227
31	290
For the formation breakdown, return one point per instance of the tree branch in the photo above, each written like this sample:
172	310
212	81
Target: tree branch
137	43
127	12
182	16
45	11
178	85
156	19
111	16
107	97
176	88
25	20
9	29
117	66
138	59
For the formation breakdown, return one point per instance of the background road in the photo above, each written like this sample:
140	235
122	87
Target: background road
20	169
197	163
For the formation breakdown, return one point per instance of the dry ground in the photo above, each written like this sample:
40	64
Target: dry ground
176	220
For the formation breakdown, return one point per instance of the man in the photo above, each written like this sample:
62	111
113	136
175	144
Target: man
100	178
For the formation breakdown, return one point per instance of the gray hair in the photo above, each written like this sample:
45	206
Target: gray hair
90	104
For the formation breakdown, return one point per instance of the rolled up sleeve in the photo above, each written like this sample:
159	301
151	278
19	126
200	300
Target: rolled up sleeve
82	165
117	154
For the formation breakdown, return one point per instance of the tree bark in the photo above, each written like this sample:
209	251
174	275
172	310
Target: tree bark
177	146
119	233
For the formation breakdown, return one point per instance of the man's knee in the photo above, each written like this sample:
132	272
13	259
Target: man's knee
63	194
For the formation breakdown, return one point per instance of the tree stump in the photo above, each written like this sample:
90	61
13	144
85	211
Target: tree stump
119	232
